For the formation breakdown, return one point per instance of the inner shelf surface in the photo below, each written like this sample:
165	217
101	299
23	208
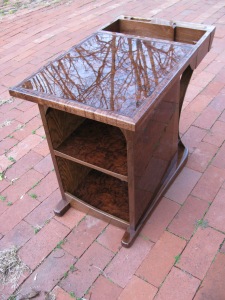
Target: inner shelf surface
98	144
106	193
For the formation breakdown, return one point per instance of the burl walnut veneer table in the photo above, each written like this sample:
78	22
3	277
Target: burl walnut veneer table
111	107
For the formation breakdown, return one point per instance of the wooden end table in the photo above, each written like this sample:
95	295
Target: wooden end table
111	107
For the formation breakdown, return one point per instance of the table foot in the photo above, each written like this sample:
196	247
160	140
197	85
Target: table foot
181	159
61	207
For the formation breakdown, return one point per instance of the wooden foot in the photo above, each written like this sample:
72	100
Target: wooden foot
131	234
61	207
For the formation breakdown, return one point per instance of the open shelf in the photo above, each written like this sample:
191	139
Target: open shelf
105	193
97	145
101	191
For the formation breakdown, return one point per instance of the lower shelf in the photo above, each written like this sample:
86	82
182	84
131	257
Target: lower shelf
105	193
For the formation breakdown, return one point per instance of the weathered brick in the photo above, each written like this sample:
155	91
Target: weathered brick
161	259
44	211
15	213
42	148
49	273
201	156
162	215
27	129
111	237
7	144
36	249
185	222
87	269
23	165
200	252
207	118
25	146
46	187
130	259
71	218
22	185
216	134
45	165
61	294
83	235
138	289
193	137
219	160
183	185
212	286
209	184
105	289
215	215
18	236
178	285
5	162
28	114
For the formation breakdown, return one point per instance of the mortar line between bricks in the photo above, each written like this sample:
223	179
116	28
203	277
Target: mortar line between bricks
78	258
181	237
174	265
33	271
114	253
159	288
189	274
145	280
167	228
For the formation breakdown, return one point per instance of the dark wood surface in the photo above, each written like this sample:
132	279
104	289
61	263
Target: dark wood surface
111	108
105	193
115	77
97	144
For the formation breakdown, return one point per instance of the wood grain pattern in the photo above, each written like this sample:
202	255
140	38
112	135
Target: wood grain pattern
105	193
98	144
71	174
199	37
135	79
143	29
61	125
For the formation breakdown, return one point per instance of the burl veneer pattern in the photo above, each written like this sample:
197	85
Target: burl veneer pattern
98	144
106	193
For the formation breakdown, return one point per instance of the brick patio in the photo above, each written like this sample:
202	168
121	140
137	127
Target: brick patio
180	252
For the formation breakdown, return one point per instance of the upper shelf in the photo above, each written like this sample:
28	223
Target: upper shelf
97	145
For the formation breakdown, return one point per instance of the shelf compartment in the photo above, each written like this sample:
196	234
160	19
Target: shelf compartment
97	189
99	146
105	193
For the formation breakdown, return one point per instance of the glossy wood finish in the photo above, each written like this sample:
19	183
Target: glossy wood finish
106	193
97	145
111	107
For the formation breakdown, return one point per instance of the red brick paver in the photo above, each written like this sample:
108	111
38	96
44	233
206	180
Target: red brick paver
179	253
126	262
104	289
200	252
34	251
87	269
138	289
178	285
185	221
212	286
183	185
61	294
215	215
161	258
160	219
